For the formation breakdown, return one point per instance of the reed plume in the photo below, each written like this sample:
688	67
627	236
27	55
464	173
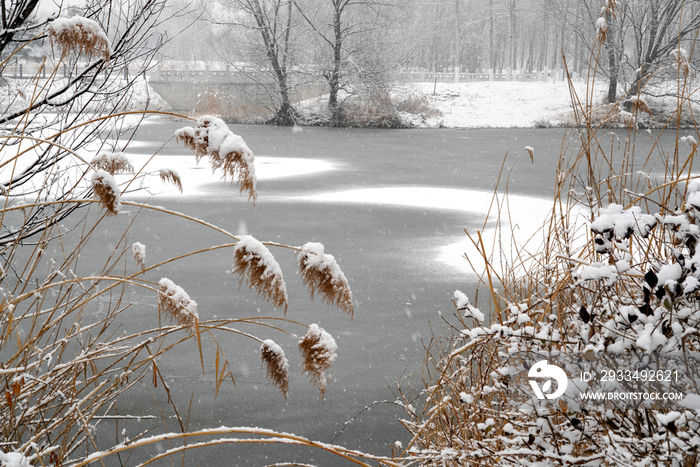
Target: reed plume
174	301
254	261
276	365
318	349
171	176
112	162
226	151
322	275
79	34
139	252
107	191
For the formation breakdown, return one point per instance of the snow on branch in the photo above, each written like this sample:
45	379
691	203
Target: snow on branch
226	151
322	275
253	260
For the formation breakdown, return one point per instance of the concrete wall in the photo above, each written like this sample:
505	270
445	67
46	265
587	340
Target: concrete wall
230	94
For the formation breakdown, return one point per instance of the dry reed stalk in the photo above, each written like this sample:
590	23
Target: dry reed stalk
79	34
318	350
107	191
174	302
322	275
276	365
252	260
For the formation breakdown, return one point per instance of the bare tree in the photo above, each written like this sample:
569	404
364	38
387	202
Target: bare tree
270	24
659	27
341	30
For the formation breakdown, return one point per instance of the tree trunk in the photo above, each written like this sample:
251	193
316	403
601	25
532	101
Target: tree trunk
513	48
492	63
19	14
334	77
456	58
613	68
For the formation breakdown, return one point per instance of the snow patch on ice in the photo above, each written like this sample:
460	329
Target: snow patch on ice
527	214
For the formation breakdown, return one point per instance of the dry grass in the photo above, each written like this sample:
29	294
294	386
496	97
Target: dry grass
170	176
69	348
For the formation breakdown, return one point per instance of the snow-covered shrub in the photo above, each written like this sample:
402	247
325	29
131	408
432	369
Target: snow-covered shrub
589	355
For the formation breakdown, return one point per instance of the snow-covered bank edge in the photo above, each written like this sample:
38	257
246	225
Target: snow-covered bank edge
484	104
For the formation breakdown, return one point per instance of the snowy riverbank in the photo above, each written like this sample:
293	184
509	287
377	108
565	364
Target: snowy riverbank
512	104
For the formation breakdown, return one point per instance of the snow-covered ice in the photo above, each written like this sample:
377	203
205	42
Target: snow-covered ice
527	214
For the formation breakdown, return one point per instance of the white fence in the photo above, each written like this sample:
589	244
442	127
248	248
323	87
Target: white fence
423	76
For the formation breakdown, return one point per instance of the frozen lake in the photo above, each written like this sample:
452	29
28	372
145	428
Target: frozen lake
390	205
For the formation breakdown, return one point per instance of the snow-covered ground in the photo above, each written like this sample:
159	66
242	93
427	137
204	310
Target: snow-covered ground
485	104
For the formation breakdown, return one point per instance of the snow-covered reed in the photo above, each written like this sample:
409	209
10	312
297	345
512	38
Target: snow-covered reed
80	35
112	162
612	283
174	302
319	351
254	262
276	364
107	191
226	151
322	275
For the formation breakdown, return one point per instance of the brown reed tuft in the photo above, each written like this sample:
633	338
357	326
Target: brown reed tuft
79	34
186	136
174	301
254	261
276	364
235	165
322	275
107	191
318	350
112	162
170	176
